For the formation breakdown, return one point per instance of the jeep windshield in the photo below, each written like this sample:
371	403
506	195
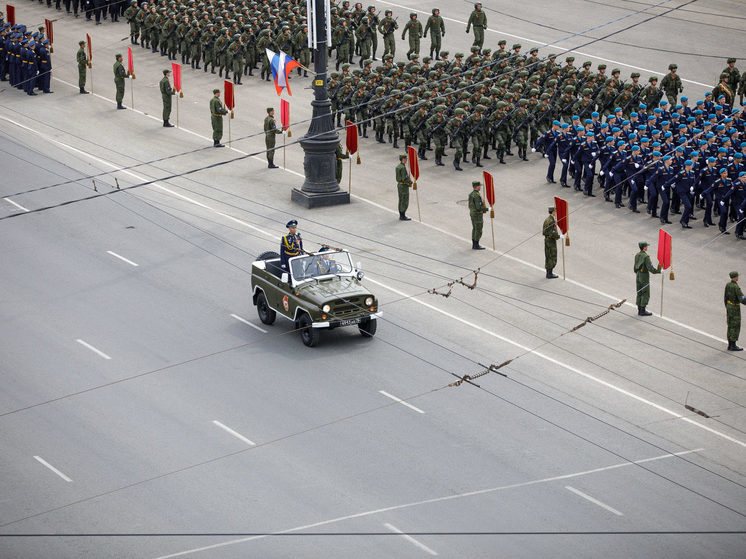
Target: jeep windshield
319	265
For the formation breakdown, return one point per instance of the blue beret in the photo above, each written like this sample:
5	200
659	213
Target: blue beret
594	114
635	148
700	102
675	115
618	110
589	134
688	162
657	110
679	149
666	157
684	99
665	123
711	160
663	102
667	134
609	138
620	143
565	125
625	122
722	150
291	223
575	117
633	114
645	140
615	129
678	107
605	125
697	131
698	112
723	170
656	144
719	107
681	140
711	116
737	155
642	106
632	137
682	126
720	127
709	135
556	122
691	119
656	153
741	174
642	127
693	154
579	129
587	121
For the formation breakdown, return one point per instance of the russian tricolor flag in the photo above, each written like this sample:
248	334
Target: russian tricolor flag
281	65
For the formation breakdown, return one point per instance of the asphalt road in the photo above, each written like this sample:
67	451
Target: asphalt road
146	411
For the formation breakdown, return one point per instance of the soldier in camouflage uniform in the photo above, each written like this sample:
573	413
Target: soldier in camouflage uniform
414	28
671	85
386	28
477	20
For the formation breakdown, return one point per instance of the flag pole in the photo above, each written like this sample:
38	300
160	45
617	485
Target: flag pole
663	277
492	225
283	152
177	111
563	261
132	92
349	176
417	195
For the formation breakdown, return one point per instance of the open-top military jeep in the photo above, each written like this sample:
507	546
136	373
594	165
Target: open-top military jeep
318	290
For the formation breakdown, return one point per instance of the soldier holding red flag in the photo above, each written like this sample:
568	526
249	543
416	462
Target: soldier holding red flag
549	229
477	209
643	269
166	93
270	131
403	184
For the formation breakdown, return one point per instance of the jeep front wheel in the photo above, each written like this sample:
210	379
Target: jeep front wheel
308	333
368	327
266	314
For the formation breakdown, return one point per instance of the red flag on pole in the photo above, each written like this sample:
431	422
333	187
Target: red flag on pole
130	63
351	137
284	114
90	49
228	95
489	188
10	13
176	68
563	219
664	249
414	163
50	33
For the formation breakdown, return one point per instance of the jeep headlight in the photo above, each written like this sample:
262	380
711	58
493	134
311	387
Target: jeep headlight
326	308
369	301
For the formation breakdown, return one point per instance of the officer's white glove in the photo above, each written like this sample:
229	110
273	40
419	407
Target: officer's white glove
562	236
691	190
564	161
546	156
600	173
645	188
701	197
730	159
637	165
533	150
593	154
722	203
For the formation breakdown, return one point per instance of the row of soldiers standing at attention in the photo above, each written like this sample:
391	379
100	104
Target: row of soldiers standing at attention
25	59
93	9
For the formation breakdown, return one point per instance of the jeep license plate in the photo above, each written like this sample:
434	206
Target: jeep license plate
349	321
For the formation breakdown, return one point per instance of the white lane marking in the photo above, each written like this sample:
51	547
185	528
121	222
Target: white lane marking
273	236
551	45
426	502
93	349
560	363
55	470
234	433
592	500
248	323
16	204
409	538
115	255
418	410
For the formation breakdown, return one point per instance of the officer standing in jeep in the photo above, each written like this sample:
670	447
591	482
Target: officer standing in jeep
290	245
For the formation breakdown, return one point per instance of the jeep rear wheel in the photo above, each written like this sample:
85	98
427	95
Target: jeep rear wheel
368	327
268	255
308	333
266	314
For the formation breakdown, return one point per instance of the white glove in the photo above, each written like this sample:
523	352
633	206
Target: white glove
564	161
722	203
600	173
562	236
691	190
593	154
533	150
637	165
645	188
730	159
546	156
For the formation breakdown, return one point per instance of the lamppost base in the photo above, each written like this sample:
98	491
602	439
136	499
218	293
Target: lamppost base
320	199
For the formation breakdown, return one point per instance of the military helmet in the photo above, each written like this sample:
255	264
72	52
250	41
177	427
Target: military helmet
412	14
569	88
672	66
439	108
652	79
459	112
435	10
522	102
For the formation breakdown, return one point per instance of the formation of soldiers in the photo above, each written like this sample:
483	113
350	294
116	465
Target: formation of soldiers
94	10
25	60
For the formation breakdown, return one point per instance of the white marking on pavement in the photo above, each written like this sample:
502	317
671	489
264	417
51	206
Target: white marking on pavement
234	433
426	502
55	470
93	349
410	539
592	500
418	410
560	363
551	45
16	204
115	255
248	323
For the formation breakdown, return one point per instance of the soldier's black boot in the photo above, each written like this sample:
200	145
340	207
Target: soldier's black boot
365	130
484	154
120	106
476	246
551	275
396	144
733	347
439	160
167	124
220	72
192	64
642	312
82	90
501	155
428	148
390	136
456	161
421	153
227	74
403	217
524	155
479	164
